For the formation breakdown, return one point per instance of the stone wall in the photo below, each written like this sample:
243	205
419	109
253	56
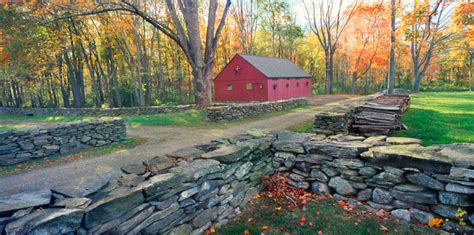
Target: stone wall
109	112
195	188
233	111
27	144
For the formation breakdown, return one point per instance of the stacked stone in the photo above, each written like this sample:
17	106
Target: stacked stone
109	112
233	111
195	188
334	121
207	186
27	144
398	175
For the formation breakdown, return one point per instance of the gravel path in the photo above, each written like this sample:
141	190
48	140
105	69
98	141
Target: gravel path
160	140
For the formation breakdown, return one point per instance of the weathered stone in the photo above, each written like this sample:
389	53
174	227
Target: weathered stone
250	194
188	153
135	220
296	177
228	153
389	177
380	206
349	163
82	186
456	199
157	216
411	155
457	188
73	203
446	211
401	214
184	229
314	158
137	169
319	188
413	193
341	186
299	184
336	149
31	198
243	170
160	226
112	206
188	193
457	228
375	139
421	216
460	153
205	217
462	172
319	176
425	180
381	196
49	221
159	164
288	146
402	140
303	166
161	205
329	171
367	171
346	138
197	168
364	195
26	145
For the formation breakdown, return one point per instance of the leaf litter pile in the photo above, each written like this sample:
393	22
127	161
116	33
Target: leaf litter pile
285	209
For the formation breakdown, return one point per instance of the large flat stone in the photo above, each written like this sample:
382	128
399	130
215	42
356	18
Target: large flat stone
460	153
402	140
159	164
186	153
414	194
32	198
49	221
197	168
228	153
412	155
456	199
336	149
81	187
341	186
159	183
112	206
425	180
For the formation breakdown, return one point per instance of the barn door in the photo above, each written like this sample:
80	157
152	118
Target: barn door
258	91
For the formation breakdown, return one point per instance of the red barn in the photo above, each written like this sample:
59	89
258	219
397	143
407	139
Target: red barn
257	78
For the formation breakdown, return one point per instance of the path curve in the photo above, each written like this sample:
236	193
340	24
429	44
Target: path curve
160	140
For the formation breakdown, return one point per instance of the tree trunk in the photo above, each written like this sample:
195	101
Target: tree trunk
391	70
354	83
329	72
202	84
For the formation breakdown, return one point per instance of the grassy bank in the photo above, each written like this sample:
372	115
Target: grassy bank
129	143
326	217
440	117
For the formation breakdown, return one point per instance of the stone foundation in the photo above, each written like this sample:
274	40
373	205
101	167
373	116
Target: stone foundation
206	185
233	111
109	112
27	144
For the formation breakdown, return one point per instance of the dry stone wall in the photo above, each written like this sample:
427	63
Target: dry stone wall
197	187
109	112
23	145
233	111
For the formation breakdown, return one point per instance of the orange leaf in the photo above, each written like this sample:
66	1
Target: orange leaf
246	232
212	229
258	196
264	227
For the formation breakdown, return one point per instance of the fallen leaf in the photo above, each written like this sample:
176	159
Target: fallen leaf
383	228
264	227
302	220
246	232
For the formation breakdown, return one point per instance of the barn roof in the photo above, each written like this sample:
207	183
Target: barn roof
275	67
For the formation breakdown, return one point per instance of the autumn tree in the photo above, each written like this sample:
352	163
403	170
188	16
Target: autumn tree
425	24
327	19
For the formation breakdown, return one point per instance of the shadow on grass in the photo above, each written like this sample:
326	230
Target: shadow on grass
435	127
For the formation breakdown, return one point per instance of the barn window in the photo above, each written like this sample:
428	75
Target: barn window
249	86
287	85
298	84
229	87
275	86
307	83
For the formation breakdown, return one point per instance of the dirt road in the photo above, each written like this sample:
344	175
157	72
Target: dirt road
160	140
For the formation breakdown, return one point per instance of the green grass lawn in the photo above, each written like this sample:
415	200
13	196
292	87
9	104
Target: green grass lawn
60	159
440	117
194	118
265	216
